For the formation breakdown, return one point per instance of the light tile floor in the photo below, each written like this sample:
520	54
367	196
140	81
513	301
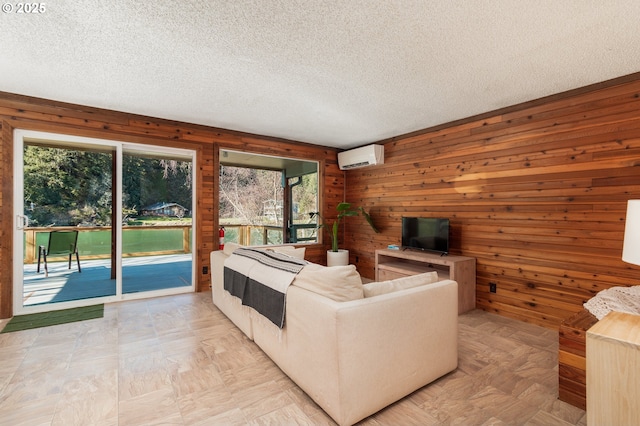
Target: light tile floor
177	360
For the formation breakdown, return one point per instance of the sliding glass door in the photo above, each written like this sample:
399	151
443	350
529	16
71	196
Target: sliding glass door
156	230
98	221
67	207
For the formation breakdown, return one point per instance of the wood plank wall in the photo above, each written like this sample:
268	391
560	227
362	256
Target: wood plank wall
43	115
536	193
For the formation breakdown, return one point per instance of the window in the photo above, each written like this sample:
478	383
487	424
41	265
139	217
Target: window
267	200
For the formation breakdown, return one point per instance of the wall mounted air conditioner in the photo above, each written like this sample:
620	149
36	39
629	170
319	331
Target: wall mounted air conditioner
369	155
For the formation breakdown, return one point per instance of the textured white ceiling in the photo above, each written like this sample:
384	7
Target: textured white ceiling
336	73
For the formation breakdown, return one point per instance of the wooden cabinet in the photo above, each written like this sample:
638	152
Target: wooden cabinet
613	370
392	264
572	364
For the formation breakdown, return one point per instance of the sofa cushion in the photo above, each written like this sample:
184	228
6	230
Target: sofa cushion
297	252
339	283
230	248
383	287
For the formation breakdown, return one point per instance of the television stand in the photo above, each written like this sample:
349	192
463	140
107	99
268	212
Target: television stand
444	253
392	264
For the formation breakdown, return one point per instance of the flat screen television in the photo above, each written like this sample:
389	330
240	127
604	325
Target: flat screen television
426	233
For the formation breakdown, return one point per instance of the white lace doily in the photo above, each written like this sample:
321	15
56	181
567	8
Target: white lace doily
620	299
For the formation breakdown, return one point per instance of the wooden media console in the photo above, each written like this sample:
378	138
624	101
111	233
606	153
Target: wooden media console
392	264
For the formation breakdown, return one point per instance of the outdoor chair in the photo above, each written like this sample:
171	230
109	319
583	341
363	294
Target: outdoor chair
60	243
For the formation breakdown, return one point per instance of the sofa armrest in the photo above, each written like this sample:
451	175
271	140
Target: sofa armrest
230	305
217	259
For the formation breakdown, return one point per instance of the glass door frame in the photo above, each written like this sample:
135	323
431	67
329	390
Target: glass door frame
119	149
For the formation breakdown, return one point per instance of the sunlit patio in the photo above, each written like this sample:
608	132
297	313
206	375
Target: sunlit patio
140	274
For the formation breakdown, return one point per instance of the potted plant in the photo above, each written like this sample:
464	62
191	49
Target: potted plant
336	256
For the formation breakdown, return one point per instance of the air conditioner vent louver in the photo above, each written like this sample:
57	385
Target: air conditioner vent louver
356	165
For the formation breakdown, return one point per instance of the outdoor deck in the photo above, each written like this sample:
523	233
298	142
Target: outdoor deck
146	273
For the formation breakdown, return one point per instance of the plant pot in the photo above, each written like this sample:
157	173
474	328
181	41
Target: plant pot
337	258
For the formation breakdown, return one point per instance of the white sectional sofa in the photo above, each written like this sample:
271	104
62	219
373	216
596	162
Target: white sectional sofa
354	357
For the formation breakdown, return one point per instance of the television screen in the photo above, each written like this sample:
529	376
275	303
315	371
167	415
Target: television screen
426	233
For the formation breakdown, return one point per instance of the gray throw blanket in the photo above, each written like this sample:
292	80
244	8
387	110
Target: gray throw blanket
260	278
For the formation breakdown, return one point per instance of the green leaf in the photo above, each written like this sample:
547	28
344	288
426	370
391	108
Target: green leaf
343	207
369	220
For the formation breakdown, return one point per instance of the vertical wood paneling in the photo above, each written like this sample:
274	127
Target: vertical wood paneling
37	114
537	195
6	222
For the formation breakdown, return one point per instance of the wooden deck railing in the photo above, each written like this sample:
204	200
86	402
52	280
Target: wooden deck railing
95	242
268	234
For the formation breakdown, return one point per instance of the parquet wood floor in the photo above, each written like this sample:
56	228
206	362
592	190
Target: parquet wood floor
178	361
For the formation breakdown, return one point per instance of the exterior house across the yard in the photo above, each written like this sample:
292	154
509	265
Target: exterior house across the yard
165	209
